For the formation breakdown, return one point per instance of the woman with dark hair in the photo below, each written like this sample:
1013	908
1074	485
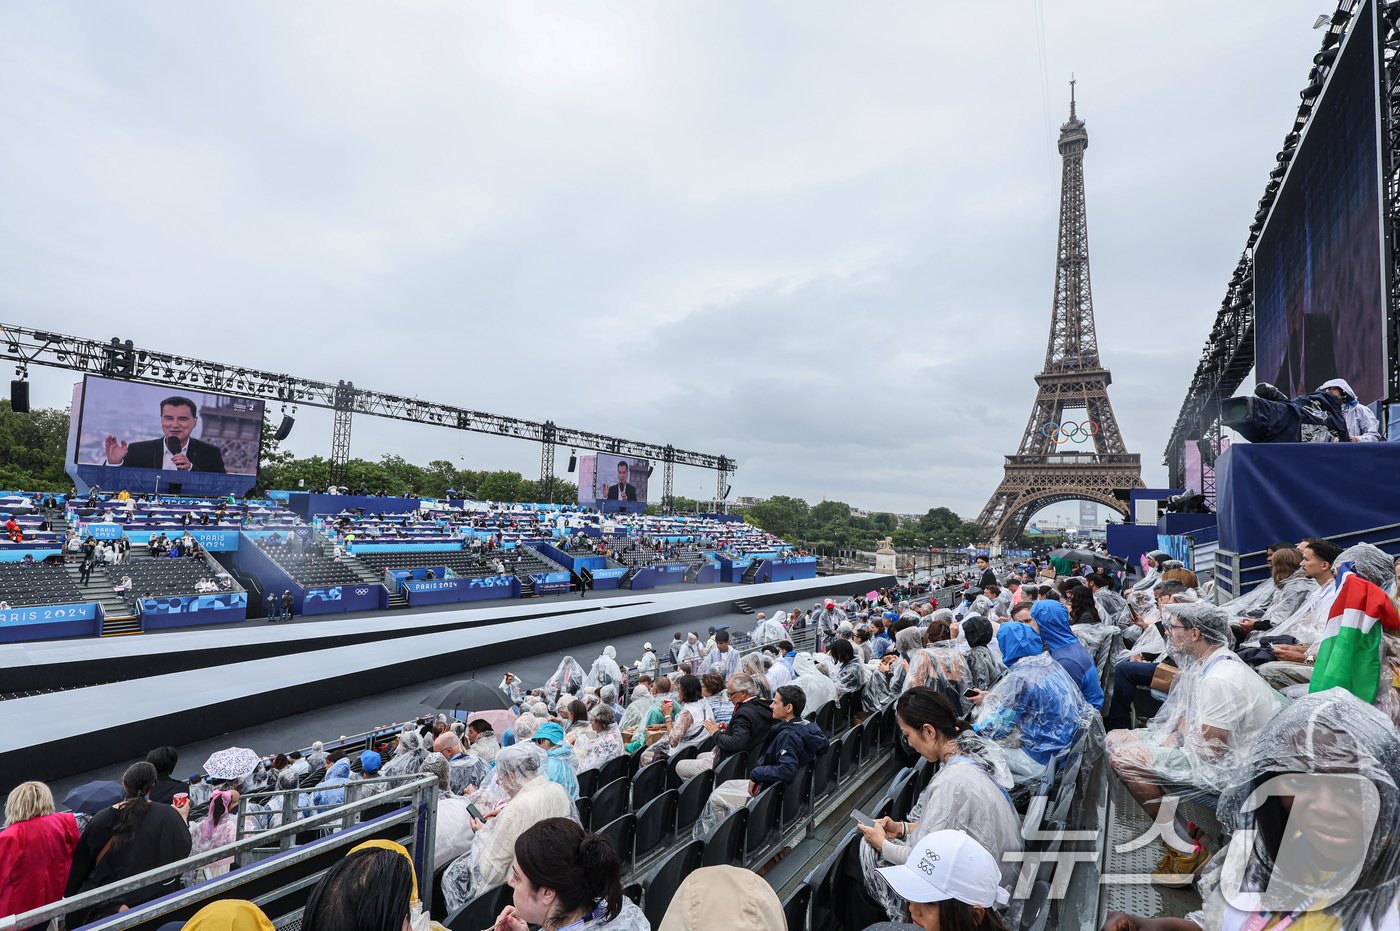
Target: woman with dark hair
984	666
968	793
850	679
1082	608
132	837
370	889
564	877
688	729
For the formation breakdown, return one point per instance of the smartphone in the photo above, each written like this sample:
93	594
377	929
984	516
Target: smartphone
970	693
475	812
860	817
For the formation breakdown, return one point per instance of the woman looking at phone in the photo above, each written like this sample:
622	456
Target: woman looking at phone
968	793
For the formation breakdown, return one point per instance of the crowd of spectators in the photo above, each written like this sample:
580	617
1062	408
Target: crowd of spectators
1197	707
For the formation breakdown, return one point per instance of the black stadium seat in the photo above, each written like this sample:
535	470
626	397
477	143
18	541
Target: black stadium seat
621	832
480	912
732	767
725	844
692	797
661	886
763	819
649	782
655	820
796	906
609	802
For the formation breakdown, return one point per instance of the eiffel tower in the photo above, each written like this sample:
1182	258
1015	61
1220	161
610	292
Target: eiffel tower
1073	379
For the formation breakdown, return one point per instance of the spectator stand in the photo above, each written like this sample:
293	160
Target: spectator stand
276	878
29	528
320	580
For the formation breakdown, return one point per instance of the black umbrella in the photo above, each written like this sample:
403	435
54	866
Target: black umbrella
467	693
1087	557
91	797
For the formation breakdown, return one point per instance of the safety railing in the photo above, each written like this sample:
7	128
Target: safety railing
417	811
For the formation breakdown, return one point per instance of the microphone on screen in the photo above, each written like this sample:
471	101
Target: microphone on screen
172	444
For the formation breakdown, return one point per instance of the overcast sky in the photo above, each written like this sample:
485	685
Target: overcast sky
815	237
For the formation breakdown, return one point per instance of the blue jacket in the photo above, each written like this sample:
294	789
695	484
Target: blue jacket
1053	620
791	746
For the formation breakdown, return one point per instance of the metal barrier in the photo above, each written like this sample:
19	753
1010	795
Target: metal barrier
418	813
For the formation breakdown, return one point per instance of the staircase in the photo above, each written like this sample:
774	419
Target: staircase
118	616
693	573
527	586
743	607
397	599
257	605
752	571
626	580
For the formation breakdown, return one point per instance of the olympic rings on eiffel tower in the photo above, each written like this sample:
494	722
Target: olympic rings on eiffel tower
1069	431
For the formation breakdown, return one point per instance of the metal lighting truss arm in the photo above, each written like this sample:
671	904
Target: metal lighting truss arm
1228	355
25	346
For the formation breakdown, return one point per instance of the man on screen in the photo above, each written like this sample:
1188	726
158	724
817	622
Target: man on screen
621	491
177	450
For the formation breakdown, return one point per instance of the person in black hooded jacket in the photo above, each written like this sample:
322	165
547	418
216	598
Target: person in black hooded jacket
792	742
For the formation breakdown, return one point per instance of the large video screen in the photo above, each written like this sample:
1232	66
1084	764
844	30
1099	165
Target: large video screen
621	478
176	430
1319	262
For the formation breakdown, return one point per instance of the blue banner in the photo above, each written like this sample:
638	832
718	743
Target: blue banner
475	588
343	598
215	541
49	622
189	610
103	531
47	614
608	573
549	583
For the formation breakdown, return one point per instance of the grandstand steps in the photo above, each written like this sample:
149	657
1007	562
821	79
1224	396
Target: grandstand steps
367	574
118	616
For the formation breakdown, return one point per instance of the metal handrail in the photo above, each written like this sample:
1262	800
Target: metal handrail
423	792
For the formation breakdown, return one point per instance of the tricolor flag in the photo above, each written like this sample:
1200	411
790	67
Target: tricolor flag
1350	653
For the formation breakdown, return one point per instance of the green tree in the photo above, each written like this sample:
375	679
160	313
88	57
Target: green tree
33	449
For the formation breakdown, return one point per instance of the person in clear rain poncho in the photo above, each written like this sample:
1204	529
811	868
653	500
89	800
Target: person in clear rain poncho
529	798
1313	812
940	666
985	666
815	684
408	755
567	678
771	630
967	793
1255	614
635	714
1036	712
828	617
1154	560
1191	749
604	671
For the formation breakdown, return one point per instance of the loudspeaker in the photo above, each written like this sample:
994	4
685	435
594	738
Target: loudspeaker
19	396
727	490
284	429
573	462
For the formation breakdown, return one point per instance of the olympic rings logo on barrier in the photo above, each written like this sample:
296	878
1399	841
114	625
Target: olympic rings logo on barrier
1069	431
